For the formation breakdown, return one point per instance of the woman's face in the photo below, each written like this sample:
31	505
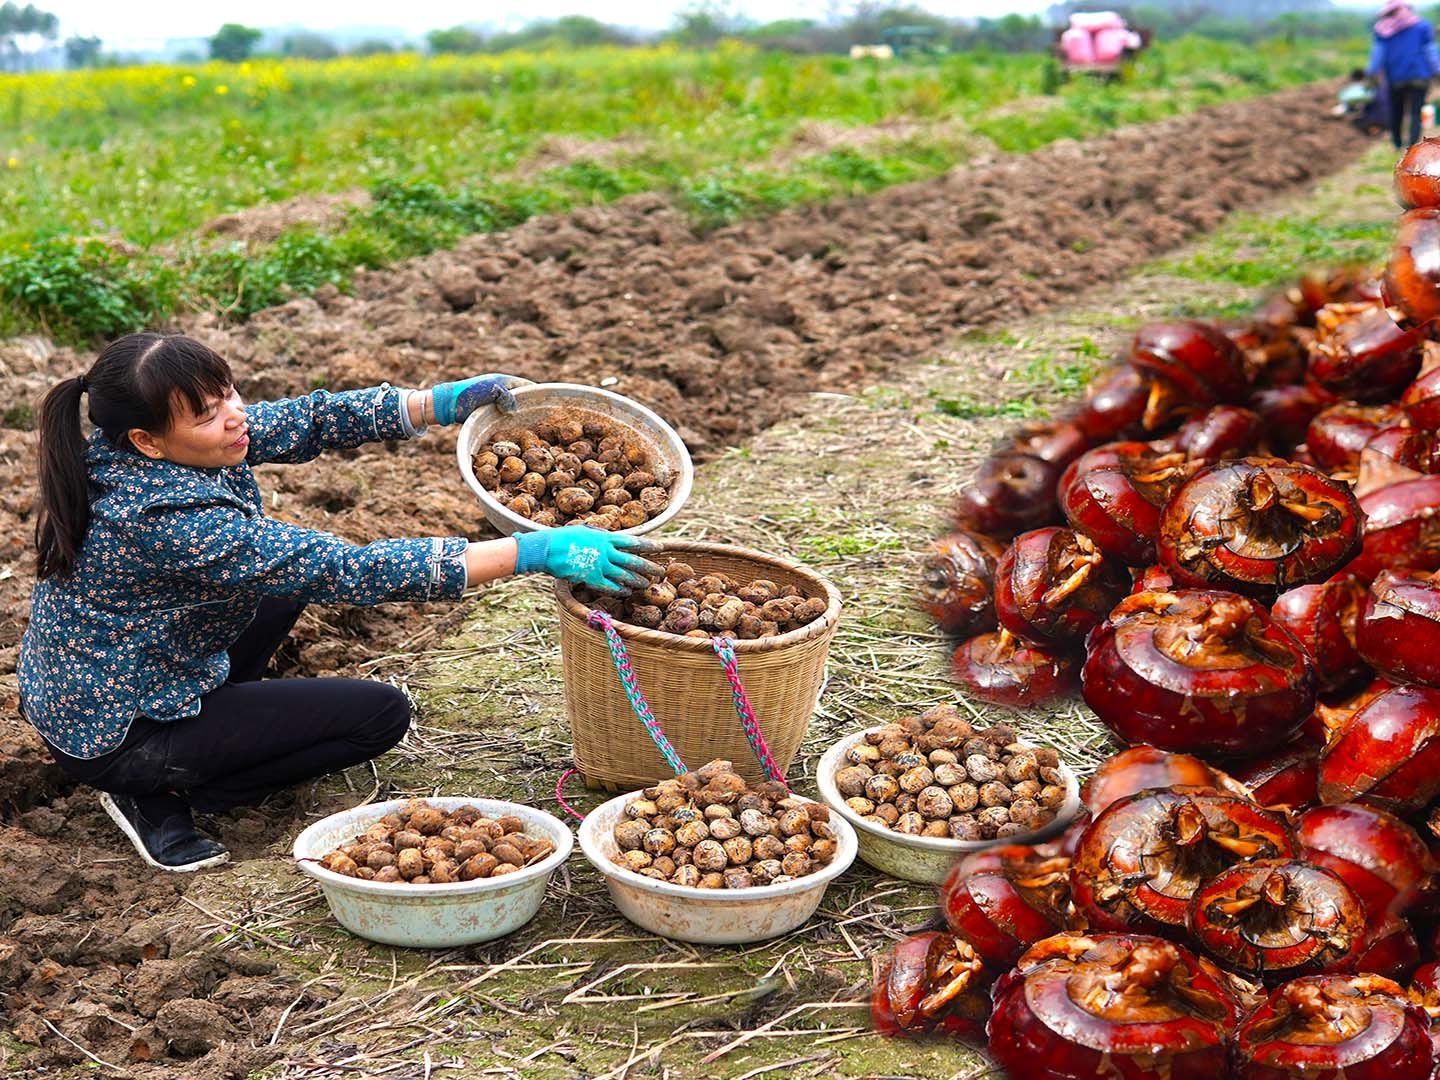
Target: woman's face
210	439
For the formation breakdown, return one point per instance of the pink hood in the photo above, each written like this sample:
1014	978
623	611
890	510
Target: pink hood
1394	18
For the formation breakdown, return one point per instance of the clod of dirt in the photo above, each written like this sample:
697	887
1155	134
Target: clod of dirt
264	223
193	1027
157	981
33	876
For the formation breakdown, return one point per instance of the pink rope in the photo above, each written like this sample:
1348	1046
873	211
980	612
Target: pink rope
620	657
560	794
748	723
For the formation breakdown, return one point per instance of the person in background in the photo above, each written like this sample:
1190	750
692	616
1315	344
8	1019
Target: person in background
1404	54
1356	95
163	589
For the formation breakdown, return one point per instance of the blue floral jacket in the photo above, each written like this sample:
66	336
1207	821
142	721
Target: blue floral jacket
175	560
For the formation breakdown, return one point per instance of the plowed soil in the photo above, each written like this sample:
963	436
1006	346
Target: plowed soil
722	333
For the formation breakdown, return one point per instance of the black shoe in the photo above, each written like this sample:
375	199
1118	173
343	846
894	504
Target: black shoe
173	844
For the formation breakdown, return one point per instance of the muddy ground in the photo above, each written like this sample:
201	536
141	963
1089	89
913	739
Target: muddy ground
725	334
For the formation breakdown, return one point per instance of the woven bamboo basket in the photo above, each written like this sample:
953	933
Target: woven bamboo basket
685	683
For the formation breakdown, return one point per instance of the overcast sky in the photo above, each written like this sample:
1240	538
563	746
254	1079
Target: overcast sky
144	22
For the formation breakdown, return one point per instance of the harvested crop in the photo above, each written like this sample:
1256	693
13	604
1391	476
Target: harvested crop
691	603
938	775
605	477
711	829
420	844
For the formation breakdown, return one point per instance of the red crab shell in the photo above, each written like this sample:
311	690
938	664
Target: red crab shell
1399	628
1111	1007
958	582
1274	919
1257	525
1055	585
1335	1027
1380	857
1199	672
1322	617
1387	754
1004	899
1402	529
1197	357
1005	670
1139	863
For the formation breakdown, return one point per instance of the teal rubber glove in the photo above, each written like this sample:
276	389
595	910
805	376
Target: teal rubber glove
579	554
452	402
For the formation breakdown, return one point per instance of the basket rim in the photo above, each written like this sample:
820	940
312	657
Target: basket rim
822	626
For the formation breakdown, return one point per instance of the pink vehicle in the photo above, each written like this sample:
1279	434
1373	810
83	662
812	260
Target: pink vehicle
1098	41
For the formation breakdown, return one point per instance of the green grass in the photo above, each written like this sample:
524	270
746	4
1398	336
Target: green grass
969	408
1039	381
1336	229
1261	254
107	175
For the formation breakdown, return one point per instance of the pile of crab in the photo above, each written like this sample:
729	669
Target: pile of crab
1248	572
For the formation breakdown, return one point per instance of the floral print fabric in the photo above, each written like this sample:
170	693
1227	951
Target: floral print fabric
173	564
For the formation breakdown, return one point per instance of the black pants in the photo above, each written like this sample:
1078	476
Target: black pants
1406	98
252	738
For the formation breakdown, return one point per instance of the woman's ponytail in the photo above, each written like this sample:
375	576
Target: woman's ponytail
64	503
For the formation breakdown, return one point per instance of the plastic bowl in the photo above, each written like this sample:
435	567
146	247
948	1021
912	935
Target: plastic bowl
432	916
707	916
924	859
534	403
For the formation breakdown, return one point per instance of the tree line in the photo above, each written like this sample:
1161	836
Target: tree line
707	22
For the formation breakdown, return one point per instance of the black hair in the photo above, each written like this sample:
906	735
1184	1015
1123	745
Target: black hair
1357	74
133	384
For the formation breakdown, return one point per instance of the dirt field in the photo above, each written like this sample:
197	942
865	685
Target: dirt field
729	335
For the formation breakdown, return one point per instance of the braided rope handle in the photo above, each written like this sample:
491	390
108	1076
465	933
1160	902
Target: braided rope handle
623	668
620	657
751	726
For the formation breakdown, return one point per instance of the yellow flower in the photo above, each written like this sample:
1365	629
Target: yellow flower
12	162
188	81
222	89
